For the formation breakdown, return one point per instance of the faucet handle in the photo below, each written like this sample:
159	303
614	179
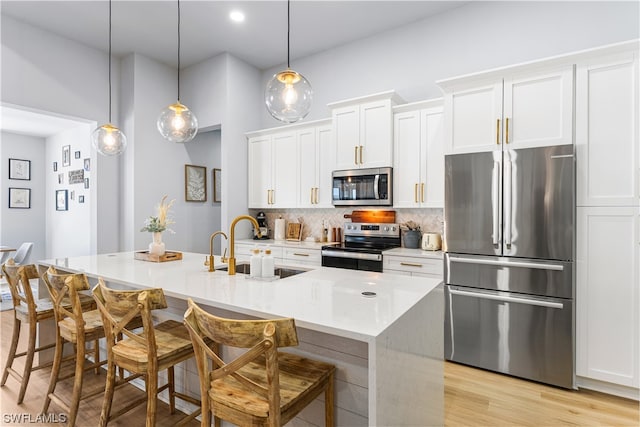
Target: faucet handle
224	256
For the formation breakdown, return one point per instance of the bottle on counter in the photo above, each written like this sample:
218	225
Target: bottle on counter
268	264
255	263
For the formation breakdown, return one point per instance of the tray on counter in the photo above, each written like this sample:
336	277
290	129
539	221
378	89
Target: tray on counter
168	256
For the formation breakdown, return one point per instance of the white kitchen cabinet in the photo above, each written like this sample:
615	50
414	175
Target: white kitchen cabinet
607	148
607	295
315	148
418	159
413	265
290	167
301	256
512	109
362	131
272	171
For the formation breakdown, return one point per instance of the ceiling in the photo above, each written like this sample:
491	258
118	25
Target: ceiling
149	27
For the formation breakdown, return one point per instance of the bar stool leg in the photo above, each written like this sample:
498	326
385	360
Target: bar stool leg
55	371
28	363
77	380
108	392
172	389
12	350
96	356
152	398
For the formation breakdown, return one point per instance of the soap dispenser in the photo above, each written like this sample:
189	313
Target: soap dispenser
268	265
255	264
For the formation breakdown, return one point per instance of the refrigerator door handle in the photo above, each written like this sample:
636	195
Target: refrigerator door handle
495	200
504	298
508	175
520	264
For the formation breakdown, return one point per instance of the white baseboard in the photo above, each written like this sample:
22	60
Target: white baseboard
609	388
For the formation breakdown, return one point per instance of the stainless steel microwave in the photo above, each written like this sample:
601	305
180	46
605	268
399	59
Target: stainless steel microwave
362	187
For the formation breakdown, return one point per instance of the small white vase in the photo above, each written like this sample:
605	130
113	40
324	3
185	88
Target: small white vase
157	246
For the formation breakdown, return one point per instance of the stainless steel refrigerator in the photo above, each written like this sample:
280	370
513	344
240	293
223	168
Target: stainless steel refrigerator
509	273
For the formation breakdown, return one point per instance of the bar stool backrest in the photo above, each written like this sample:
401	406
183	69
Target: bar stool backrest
64	291
18	277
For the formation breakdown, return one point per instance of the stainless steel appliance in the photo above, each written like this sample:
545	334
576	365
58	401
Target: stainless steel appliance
509	241
363	187
362	246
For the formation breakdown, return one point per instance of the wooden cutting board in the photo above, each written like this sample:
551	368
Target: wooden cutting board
372	216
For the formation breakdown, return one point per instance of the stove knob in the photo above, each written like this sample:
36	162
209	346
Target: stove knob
393	228
386	228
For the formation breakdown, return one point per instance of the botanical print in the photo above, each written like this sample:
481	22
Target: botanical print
195	185
20	198
20	169
66	155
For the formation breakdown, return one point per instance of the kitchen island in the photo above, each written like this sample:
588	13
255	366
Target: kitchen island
387	347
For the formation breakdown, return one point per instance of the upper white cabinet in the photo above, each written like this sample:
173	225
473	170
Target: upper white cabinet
272	179
510	109
607	131
418	159
315	148
362	131
290	167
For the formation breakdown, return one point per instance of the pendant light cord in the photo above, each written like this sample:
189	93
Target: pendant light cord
288	29
178	50
109	61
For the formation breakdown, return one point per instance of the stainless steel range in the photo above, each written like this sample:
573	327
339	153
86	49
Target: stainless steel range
362	247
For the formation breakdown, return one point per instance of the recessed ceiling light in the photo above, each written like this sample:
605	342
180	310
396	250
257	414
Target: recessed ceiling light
236	16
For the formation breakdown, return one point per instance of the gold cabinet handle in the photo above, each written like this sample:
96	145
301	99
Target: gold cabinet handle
317	197
273	197
297	254
311	195
268	197
415	193
422	192
498	131
410	264
506	125
361	154
355	155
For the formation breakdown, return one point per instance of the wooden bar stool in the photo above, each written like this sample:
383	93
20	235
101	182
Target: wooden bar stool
156	348
30	311
262	387
78	323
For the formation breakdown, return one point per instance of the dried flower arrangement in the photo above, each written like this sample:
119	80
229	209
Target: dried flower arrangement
160	223
410	226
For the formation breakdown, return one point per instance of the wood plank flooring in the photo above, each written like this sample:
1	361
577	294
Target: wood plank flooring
473	397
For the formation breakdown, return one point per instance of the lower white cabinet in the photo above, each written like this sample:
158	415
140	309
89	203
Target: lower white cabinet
288	254
413	266
607	295
301	256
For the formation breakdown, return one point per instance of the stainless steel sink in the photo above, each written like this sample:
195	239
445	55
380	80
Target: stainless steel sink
282	272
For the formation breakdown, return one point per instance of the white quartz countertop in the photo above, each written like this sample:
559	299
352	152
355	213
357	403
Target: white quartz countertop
286	243
414	253
324	299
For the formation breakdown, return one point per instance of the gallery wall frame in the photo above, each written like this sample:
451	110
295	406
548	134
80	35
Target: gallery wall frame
217	185
19	198
66	155
77	154
20	169
195	183
62	200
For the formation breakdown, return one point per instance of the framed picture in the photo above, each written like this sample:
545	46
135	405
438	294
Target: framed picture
66	155
87	165
20	169
76	177
80	199
72	195
62	200
217	185
19	198
86	183
61	178
195	183
55	166
77	154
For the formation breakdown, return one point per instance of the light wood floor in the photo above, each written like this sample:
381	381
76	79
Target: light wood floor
473	397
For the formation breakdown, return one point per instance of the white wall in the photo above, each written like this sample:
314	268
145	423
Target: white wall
23	225
68	233
471	38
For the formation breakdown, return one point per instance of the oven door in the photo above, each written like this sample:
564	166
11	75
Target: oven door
352	260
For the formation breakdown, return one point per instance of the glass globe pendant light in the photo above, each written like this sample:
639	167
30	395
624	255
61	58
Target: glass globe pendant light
288	94
176	122
107	139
